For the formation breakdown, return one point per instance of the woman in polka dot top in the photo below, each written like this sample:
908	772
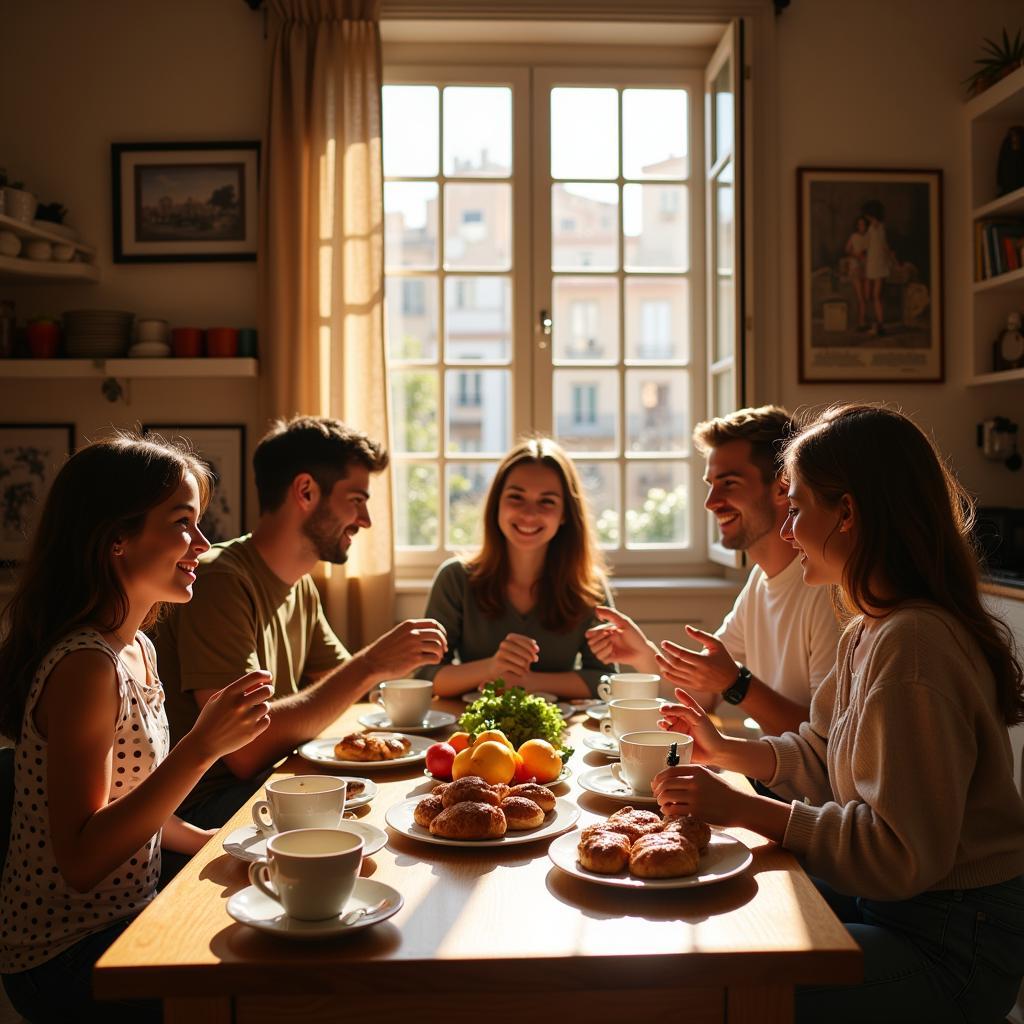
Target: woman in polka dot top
95	783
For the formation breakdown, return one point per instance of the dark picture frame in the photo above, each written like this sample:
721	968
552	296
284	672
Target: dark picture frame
31	455
222	447
870	240
185	202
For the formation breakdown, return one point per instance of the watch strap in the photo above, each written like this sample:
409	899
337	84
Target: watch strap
735	693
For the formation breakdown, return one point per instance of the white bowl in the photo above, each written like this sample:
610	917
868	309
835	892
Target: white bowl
62	251
37	249
151	330
10	243
149	350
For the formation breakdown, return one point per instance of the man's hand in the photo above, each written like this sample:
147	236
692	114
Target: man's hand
711	670
619	638
407	647
513	658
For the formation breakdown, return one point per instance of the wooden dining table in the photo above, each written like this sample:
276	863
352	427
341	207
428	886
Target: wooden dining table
490	934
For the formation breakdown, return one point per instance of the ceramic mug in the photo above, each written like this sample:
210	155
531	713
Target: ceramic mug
187	342
406	701
631	715
628	685
310	872
643	754
302	801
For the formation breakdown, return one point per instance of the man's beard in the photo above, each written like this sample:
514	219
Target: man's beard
322	530
755	525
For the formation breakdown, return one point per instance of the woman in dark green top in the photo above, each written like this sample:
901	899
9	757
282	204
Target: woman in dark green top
520	608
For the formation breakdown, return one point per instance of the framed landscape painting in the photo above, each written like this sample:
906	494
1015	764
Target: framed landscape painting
222	448
870	275
31	454
184	201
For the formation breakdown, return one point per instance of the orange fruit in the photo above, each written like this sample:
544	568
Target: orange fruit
522	774
493	736
462	765
459	740
541	760
492	761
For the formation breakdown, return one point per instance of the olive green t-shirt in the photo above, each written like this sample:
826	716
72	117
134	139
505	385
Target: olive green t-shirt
241	618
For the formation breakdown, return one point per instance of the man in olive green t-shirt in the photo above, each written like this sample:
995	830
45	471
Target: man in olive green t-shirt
255	606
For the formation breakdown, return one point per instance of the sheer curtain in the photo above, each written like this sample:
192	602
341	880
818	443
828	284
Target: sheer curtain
322	273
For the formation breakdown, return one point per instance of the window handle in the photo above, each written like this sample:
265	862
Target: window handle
545	323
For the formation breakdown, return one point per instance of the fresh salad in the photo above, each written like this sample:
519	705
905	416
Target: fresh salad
518	714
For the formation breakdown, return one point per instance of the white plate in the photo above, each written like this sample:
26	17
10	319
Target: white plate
473	695
723	858
252	907
248	843
602	744
565	773
322	752
561	819
597	712
601	781
434	720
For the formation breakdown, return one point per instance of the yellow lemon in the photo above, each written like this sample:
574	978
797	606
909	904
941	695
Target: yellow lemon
541	760
493	736
492	761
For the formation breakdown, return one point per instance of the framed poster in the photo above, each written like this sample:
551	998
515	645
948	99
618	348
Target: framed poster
180	202
870	275
222	448
31	454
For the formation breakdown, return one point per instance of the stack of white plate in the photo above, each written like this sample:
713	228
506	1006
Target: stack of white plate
97	333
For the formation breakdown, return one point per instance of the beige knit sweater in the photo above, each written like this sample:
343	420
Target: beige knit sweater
903	777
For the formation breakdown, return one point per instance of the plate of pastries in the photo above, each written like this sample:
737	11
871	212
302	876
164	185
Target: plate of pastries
366	750
470	812
639	849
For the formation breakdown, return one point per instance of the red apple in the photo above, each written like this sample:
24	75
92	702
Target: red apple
439	760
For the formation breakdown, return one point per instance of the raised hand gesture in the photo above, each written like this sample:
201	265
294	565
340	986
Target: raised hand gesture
711	670
689	717
620	639
407	647
233	716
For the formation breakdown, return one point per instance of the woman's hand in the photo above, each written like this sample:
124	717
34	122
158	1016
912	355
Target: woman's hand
693	789
513	658
689	717
232	717
620	639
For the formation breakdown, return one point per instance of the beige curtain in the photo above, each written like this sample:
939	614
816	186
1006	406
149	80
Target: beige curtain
322	263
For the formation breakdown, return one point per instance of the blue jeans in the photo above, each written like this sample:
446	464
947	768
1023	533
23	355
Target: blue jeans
60	990
950	957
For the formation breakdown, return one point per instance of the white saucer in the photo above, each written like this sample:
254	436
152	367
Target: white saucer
601	781
322	752
606	745
252	907
248	843
597	711
434	720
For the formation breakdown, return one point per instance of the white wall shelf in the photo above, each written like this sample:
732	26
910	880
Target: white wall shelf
47	270
128	368
1000	377
33	231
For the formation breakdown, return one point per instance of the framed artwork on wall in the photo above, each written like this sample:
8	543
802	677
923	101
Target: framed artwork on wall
869	277
31	454
222	448
177	202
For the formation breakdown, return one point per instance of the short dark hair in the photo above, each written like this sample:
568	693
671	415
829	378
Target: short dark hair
318	445
766	427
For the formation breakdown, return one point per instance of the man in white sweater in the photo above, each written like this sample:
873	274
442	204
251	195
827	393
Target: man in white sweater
779	641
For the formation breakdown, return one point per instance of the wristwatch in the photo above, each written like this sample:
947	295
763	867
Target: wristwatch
735	693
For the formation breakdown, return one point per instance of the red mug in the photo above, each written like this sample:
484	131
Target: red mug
222	342
43	338
187	342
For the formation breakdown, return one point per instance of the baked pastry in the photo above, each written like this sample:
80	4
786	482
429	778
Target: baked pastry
501	790
607	853
376	746
600	826
540	795
469	787
353	787
427	810
663	856
439	789
521	813
470	819
697	831
633	823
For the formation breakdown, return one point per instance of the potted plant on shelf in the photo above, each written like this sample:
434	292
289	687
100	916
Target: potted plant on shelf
1001	57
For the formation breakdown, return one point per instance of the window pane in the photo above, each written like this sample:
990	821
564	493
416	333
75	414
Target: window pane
601	487
658	318
584	133
586	327
478	131
656	410
654	133
477	318
466	485
722	104
417	505
478	410
656	511
411	317
655	224
584	226
725	241
725	318
478	226
410	224
414	410
410	130
724	394
586	410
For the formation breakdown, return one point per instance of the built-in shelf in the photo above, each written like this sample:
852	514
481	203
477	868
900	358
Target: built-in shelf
999	377
43	270
1011	277
133	368
1012	204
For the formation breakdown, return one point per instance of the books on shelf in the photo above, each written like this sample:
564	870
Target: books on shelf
998	245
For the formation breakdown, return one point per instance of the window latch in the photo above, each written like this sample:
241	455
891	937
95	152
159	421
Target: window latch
545	323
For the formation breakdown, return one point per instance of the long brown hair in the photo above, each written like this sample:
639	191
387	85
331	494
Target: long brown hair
574	568
101	494
914	520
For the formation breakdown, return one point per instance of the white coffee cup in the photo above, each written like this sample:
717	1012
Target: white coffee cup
302	801
406	701
632	715
643	754
310	872
628	685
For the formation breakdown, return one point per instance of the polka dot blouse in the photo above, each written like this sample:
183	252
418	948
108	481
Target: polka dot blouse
40	914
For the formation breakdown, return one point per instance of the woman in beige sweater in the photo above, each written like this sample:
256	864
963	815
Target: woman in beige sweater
903	800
